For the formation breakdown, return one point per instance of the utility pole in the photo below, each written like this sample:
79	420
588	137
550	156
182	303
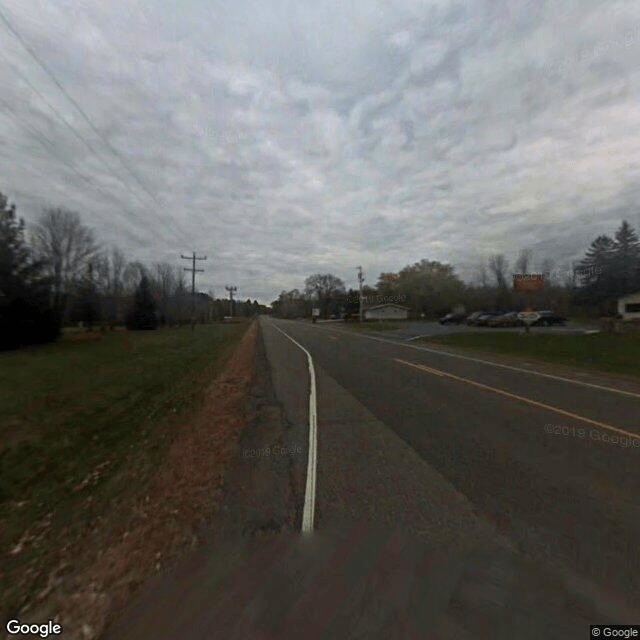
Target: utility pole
360	281
88	311
231	291
193	270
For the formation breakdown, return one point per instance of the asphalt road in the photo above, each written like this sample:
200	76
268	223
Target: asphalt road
454	499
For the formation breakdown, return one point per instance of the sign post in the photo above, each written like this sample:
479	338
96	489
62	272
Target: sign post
528	317
529	282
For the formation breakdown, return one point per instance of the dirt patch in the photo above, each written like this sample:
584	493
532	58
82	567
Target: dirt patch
143	535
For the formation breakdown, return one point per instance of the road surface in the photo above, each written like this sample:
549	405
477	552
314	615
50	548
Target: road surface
455	497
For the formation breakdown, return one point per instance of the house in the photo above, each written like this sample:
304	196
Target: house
390	311
629	306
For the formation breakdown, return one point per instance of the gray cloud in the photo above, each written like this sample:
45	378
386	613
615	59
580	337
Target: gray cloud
284	138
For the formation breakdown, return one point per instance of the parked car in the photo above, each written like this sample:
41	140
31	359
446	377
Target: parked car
474	316
483	320
548	319
496	320
453	318
509	319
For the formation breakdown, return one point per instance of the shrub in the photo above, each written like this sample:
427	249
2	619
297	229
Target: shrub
24	321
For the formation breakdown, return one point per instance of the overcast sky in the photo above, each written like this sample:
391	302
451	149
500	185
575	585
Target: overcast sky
286	138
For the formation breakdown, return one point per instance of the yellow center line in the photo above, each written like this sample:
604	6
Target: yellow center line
514	396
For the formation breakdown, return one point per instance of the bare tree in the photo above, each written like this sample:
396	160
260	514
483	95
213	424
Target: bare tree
325	288
66	246
165	285
132	274
524	261
548	270
180	282
102	273
498	266
118	263
165	279
481	276
108	270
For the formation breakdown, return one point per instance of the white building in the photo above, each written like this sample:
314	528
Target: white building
629	306
389	311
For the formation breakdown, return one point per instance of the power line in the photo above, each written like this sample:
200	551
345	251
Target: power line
50	146
58	84
73	130
231	290
55	80
193	270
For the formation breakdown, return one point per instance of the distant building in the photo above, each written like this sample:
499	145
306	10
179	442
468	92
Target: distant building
389	311
629	306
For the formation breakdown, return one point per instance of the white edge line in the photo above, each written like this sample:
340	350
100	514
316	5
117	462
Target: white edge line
493	364
308	511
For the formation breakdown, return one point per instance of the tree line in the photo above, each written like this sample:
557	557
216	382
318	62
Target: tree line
56	274
590	287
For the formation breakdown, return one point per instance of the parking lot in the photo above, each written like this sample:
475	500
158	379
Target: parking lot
415	329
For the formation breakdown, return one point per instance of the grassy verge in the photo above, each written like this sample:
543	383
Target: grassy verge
599	351
74	413
381	325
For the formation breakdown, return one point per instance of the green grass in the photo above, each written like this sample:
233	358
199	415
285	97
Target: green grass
92	400
606	352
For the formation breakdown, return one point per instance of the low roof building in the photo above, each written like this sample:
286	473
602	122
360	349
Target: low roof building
629	306
390	311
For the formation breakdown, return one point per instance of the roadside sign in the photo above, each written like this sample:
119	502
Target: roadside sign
528	317
528	282
316	312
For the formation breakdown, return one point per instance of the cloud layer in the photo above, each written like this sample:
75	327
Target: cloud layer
284	138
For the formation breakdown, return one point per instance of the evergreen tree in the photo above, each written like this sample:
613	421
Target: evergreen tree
143	314
596	271
25	316
626	261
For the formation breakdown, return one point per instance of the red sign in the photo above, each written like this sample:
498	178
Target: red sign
528	281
